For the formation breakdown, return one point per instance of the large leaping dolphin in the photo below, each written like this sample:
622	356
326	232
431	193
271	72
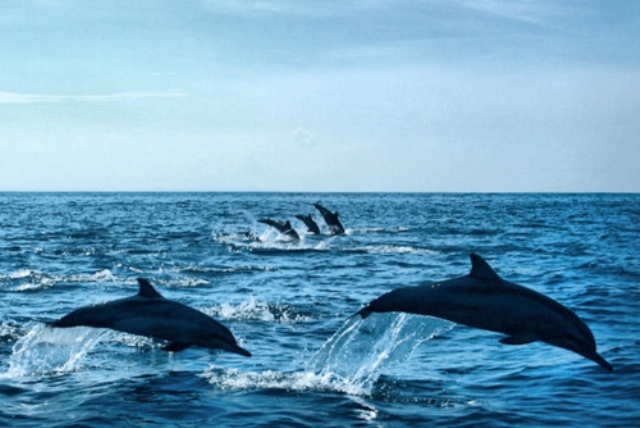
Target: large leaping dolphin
331	219
283	227
312	226
484	300
149	314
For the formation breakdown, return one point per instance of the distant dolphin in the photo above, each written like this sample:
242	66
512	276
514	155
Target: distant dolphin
484	300
331	219
149	314
283	227
312	226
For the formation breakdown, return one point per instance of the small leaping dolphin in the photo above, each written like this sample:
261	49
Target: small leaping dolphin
151	315
284	227
484	300
312	226
331	219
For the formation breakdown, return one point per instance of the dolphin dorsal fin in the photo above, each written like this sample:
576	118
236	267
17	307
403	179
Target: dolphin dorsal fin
480	269
147	290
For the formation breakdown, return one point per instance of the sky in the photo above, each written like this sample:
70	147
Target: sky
320	95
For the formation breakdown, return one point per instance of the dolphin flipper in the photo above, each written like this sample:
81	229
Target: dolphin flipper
520	338
176	346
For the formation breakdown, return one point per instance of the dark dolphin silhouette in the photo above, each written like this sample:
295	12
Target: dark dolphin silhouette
151	315
312	226
283	227
331	219
484	300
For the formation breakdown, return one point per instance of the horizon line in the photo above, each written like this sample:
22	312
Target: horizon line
488	192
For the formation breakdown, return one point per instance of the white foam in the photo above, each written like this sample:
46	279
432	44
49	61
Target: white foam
40	280
22	273
394	249
252	309
9	331
301	381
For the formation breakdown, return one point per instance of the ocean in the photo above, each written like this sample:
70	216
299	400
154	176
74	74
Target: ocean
291	305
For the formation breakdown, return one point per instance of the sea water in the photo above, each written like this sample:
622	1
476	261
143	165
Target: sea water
291	305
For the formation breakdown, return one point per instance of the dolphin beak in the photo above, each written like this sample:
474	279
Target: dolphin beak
595	357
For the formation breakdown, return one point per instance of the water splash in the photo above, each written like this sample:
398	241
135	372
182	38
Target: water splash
357	353
270	241
350	362
44	350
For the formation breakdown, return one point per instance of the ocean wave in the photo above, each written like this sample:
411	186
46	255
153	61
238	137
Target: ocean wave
300	381
373	230
28	280
33	280
182	282
226	270
390	249
10	332
104	275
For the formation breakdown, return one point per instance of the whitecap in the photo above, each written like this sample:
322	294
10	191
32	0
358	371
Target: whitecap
393	249
104	275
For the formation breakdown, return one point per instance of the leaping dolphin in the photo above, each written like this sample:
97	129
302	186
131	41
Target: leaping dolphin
151	315
331	219
312	226
484	300
284	227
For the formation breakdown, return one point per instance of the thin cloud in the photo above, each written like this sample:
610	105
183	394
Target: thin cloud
534	12
25	98
270	7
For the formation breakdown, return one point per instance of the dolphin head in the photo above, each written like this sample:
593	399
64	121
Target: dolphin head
581	341
398	300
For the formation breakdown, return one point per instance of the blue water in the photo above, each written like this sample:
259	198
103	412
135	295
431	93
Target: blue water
290	305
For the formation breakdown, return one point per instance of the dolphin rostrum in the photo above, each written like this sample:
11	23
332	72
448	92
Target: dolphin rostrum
149	314
331	219
284	227
484	300
312	226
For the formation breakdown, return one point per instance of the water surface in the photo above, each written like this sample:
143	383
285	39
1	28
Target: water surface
290	305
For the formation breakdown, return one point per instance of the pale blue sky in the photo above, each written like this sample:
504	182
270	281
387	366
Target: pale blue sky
313	95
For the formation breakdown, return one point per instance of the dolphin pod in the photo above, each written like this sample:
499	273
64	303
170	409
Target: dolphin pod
151	315
483	300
